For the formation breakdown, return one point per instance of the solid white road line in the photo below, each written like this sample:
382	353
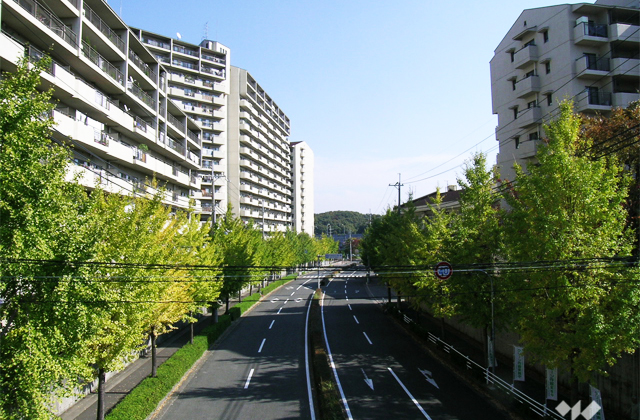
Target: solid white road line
409	394
279	311
272	323
306	361
357	322
246	384
349	305
260	349
293	293
332	364
367	337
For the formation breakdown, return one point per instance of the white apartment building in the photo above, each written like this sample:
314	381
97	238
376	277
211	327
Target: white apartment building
111	94
259	155
585	52
303	188
198	85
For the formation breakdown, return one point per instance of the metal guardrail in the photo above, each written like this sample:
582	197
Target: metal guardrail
536	407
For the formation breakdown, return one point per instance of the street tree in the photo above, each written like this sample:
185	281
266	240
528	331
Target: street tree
569	207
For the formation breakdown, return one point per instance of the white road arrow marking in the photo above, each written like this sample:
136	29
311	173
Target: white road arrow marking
367	380
275	300
427	376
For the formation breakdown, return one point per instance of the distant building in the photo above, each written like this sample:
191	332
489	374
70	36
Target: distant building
585	52
259	165
450	201
303	186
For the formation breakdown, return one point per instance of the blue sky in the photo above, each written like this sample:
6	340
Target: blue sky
376	87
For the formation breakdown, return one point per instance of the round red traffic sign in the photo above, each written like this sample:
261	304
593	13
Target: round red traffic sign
443	270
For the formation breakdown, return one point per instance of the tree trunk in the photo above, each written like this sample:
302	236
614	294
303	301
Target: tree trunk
101	381
154	369
250	289
191	328
389	293
227	304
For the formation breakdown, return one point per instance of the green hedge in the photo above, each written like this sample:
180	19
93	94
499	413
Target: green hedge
145	397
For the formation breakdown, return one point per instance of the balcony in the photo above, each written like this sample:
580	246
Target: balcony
588	67
525	56
527	86
49	20
183	50
529	117
103	28
142	95
142	66
590	34
625	32
176	123
593	101
102	63
156	43
194	137
626	67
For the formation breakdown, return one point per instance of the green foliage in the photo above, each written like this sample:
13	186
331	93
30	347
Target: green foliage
570	207
144	398
342	222
40	218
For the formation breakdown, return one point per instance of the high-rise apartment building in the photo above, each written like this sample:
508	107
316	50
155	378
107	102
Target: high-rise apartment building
197	84
111	97
585	52
303	188
259	155
146	111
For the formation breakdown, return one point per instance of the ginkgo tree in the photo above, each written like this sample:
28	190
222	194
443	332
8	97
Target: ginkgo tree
568	207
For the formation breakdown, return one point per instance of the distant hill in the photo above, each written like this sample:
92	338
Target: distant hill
342	221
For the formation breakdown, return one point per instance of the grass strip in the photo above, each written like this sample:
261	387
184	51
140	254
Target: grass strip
145	397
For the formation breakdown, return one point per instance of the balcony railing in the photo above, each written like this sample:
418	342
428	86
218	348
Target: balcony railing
142	65
593	29
36	55
599	98
210	70
141	124
214	59
141	94
193	136
175	145
185	64
104	65
156	43
101	137
103	27
185	50
177	123
49	20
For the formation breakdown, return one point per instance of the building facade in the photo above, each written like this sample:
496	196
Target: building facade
111	98
259	155
303	188
585	52
197	84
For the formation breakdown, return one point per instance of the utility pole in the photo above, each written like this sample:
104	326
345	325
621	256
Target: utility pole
399	186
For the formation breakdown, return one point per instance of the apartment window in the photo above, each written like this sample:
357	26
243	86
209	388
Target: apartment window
547	67
529	74
534	136
513	55
513	84
530	43
516	141
515	112
549	99
545	36
532	104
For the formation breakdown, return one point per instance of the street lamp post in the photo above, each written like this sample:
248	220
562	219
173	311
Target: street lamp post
319	271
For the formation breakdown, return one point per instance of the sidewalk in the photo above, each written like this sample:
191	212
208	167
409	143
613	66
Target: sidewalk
118	386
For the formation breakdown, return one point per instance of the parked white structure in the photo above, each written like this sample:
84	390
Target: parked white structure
303	200
259	155
198	85
585	52
111	97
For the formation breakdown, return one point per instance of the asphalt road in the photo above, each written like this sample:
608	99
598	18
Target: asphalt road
258	370
383	372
